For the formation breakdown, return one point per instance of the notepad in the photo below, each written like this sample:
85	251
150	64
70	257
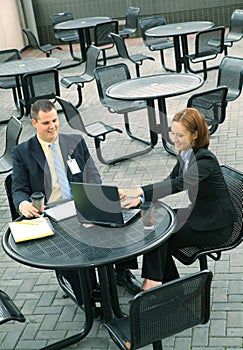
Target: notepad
26	230
61	211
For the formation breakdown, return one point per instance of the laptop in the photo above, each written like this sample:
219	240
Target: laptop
100	204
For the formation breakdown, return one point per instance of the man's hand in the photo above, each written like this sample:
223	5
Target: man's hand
28	210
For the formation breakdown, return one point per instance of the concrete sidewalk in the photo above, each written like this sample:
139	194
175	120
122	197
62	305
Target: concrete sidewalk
50	317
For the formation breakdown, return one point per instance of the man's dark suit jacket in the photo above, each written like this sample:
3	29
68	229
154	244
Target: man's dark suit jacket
210	202
31	172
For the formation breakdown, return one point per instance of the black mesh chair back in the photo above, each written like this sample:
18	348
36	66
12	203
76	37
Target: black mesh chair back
13	130
120	46
8	189
39	85
235	30
230	74
109	75
8	310
105	77
9	83
154	43
131	22
72	115
163	311
212	104
208	45
209	42
148	23
234	181
66	36
102	37
87	76
33	42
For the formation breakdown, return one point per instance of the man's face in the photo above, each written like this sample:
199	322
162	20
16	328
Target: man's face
47	126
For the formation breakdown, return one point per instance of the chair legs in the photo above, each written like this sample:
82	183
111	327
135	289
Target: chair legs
130	134
72	53
80	96
162	59
119	159
203	262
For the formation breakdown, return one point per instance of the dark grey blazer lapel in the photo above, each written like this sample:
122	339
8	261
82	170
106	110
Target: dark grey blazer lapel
37	153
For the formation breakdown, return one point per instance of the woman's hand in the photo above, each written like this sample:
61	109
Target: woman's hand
131	202
130	197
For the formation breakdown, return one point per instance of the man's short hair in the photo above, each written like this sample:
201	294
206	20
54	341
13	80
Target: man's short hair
41	105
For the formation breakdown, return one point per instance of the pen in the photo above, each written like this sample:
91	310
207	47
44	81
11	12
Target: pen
26	223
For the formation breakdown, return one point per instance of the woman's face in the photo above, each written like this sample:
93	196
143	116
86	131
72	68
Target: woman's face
182	137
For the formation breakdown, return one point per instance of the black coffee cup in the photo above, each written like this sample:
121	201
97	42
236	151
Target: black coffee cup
37	199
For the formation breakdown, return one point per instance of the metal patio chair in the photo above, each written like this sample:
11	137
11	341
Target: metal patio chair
208	45
103	39
39	85
235	30
98	130
121	47
230	74
10	82
13	131
163	311
8	310
212	104
33	42
86	77
155	44
131	22
188	255
112	74
65	36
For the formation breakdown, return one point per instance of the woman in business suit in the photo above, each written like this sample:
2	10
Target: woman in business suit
209	218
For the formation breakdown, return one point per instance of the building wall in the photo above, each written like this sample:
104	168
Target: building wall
35	14
217	11
10	26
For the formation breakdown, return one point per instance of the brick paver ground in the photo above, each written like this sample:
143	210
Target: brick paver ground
50	317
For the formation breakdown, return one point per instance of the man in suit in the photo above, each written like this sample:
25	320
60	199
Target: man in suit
34	170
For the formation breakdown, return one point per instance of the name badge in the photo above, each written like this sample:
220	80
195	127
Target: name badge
73	166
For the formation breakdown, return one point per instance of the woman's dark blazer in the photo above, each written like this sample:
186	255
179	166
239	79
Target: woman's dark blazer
210	201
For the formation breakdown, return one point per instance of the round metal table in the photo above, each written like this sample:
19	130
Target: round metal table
17	68
156	87
179	31
82	25
74	246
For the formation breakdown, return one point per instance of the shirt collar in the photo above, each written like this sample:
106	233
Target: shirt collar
185	156
45	145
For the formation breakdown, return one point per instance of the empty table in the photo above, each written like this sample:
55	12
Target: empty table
156	87
83	26
179	31
17	68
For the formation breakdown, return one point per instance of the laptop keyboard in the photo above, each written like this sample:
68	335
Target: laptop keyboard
127	214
